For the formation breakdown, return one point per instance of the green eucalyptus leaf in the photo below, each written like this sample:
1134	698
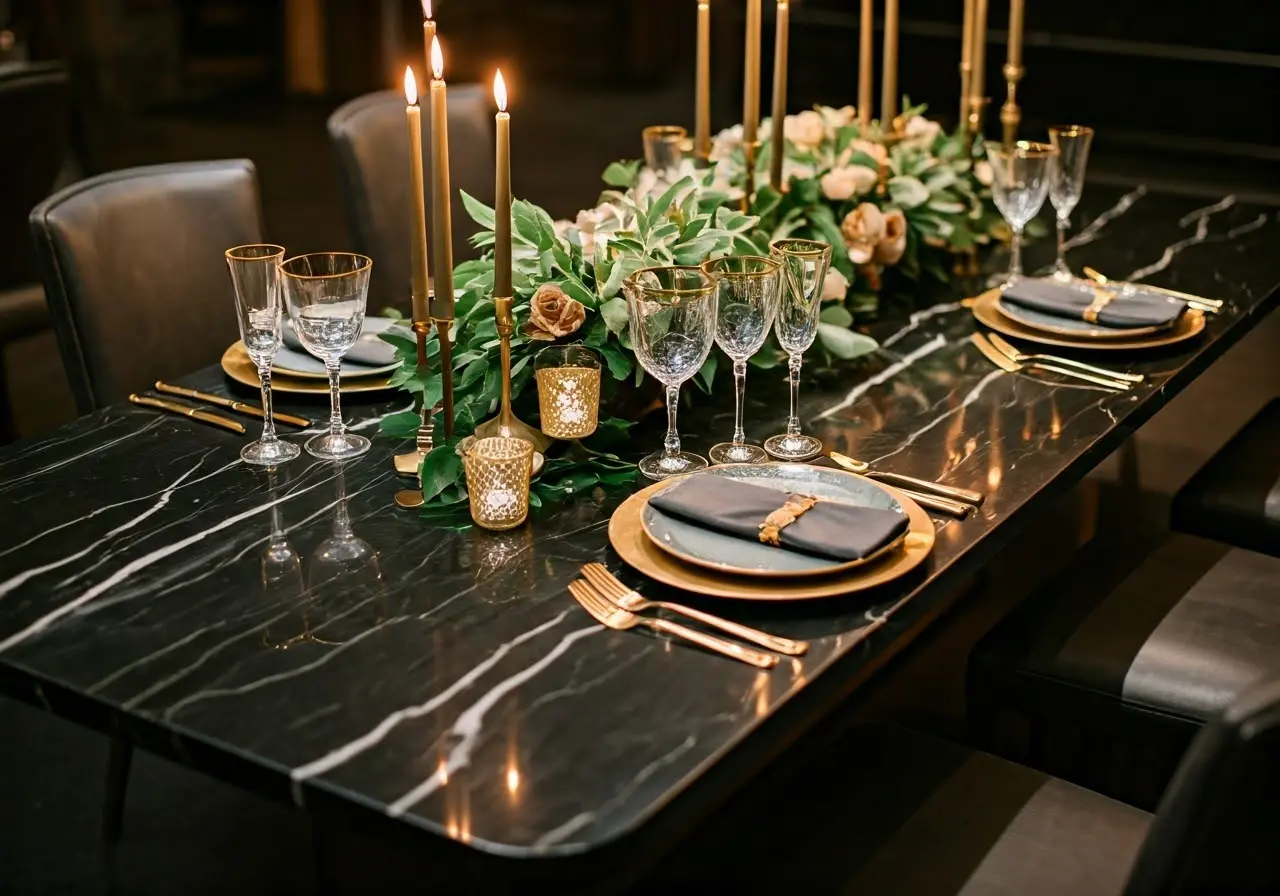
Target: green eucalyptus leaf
622	174
479	212
615	314
836	315
619	362
845	343
907	192
400	426
440	469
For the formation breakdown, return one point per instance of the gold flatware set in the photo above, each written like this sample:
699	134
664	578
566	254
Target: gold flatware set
195	413
1014	361
1211	306
950	499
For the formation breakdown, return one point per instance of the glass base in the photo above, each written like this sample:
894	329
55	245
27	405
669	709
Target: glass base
337	447
660	465
729	453
788	447
269	454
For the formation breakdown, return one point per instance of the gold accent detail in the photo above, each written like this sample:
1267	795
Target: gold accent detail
275	255
174	407
987	311
1101	299
795	507
569	399
232	404
236	364
498	471
368	263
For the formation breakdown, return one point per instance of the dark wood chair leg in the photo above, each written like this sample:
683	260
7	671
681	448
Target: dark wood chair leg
116	785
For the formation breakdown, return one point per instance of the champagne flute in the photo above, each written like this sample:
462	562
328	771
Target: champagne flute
672	313
804	268
326	294
1066	183
747	288
255	276
1019	182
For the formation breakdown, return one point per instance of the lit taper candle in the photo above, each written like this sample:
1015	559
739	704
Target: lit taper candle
428	32
441	204
417	202
889	80
866	50
966	62
1010	114
751	83
977	80
502	194
780	51
702	103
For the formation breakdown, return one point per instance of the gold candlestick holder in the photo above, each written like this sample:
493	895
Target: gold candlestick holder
749	186
410	463
1010	114
506	424
977	114
443	327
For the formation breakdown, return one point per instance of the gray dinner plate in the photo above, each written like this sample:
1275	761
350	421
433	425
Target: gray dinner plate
1067	326
715	550
293	360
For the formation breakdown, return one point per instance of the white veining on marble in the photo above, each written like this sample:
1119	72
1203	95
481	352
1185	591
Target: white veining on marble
1221	205
1201	219
468	725
138	663
933	345
58	465
919	317
137	565
342	754
578	822
1090	231
970	397
1241	229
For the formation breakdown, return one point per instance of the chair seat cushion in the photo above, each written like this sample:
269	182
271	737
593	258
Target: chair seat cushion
888	811
1181	635
1235	497
23	311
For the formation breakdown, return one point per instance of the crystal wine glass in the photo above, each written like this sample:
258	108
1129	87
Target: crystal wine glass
255	276
804	268
673	326
747	289
326	294
1066	183
1019	182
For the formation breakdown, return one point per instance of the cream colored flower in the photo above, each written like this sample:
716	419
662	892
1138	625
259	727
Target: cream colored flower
595	225
553	314
982	172
920	132
875	150
806	129
893	243
862	229
844	183
835	287
725	142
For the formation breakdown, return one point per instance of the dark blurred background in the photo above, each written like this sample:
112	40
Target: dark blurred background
1183	95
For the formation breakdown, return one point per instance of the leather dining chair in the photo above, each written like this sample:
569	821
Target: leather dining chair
372	149
889	811
1106	676
1235	496
35	108
133	266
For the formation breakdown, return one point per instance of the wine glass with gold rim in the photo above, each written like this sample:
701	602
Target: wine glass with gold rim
1019	184
1066	183
804	269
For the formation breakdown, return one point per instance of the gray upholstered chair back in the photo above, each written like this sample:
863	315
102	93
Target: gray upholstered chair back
133	266
372	147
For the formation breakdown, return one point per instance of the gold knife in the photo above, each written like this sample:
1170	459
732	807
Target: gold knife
924	485
242	407
1013	353
1213	306
194	413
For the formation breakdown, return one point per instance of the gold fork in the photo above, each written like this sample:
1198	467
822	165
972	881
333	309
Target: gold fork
608	585
612	616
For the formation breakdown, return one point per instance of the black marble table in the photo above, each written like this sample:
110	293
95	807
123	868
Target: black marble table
299	635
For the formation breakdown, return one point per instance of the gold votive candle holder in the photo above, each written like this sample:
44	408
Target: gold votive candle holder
498	471
664	147
568	390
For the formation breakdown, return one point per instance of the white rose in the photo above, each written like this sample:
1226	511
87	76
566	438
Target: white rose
844	183
835	286
835	119
806	129
726	142
982	171
920	132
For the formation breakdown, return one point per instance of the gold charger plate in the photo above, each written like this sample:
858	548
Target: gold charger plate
986	309
236	364
626	534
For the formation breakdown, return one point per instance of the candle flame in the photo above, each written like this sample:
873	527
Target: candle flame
410	86
426	9
500	91
437	59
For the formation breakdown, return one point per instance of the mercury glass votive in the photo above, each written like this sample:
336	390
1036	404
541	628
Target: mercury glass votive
498	471
568	390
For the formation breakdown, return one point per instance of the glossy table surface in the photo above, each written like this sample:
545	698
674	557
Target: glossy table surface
297	633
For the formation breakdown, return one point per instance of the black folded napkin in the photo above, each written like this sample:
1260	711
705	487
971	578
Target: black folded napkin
1128	310
837	531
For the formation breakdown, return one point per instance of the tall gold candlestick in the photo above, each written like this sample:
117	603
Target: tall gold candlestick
1010	114
442	227
966	63
780	53
417	201
502	193
866	50
751	82
977	81
889	79
702	110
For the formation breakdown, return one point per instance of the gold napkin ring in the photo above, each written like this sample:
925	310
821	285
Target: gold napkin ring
1101	299
784	516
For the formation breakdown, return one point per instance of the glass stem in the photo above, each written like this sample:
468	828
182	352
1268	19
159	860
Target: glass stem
739	399
268	415
793	421
336	427
671	444
1015	254
1063	224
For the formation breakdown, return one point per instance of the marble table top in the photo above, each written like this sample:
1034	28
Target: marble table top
299	634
